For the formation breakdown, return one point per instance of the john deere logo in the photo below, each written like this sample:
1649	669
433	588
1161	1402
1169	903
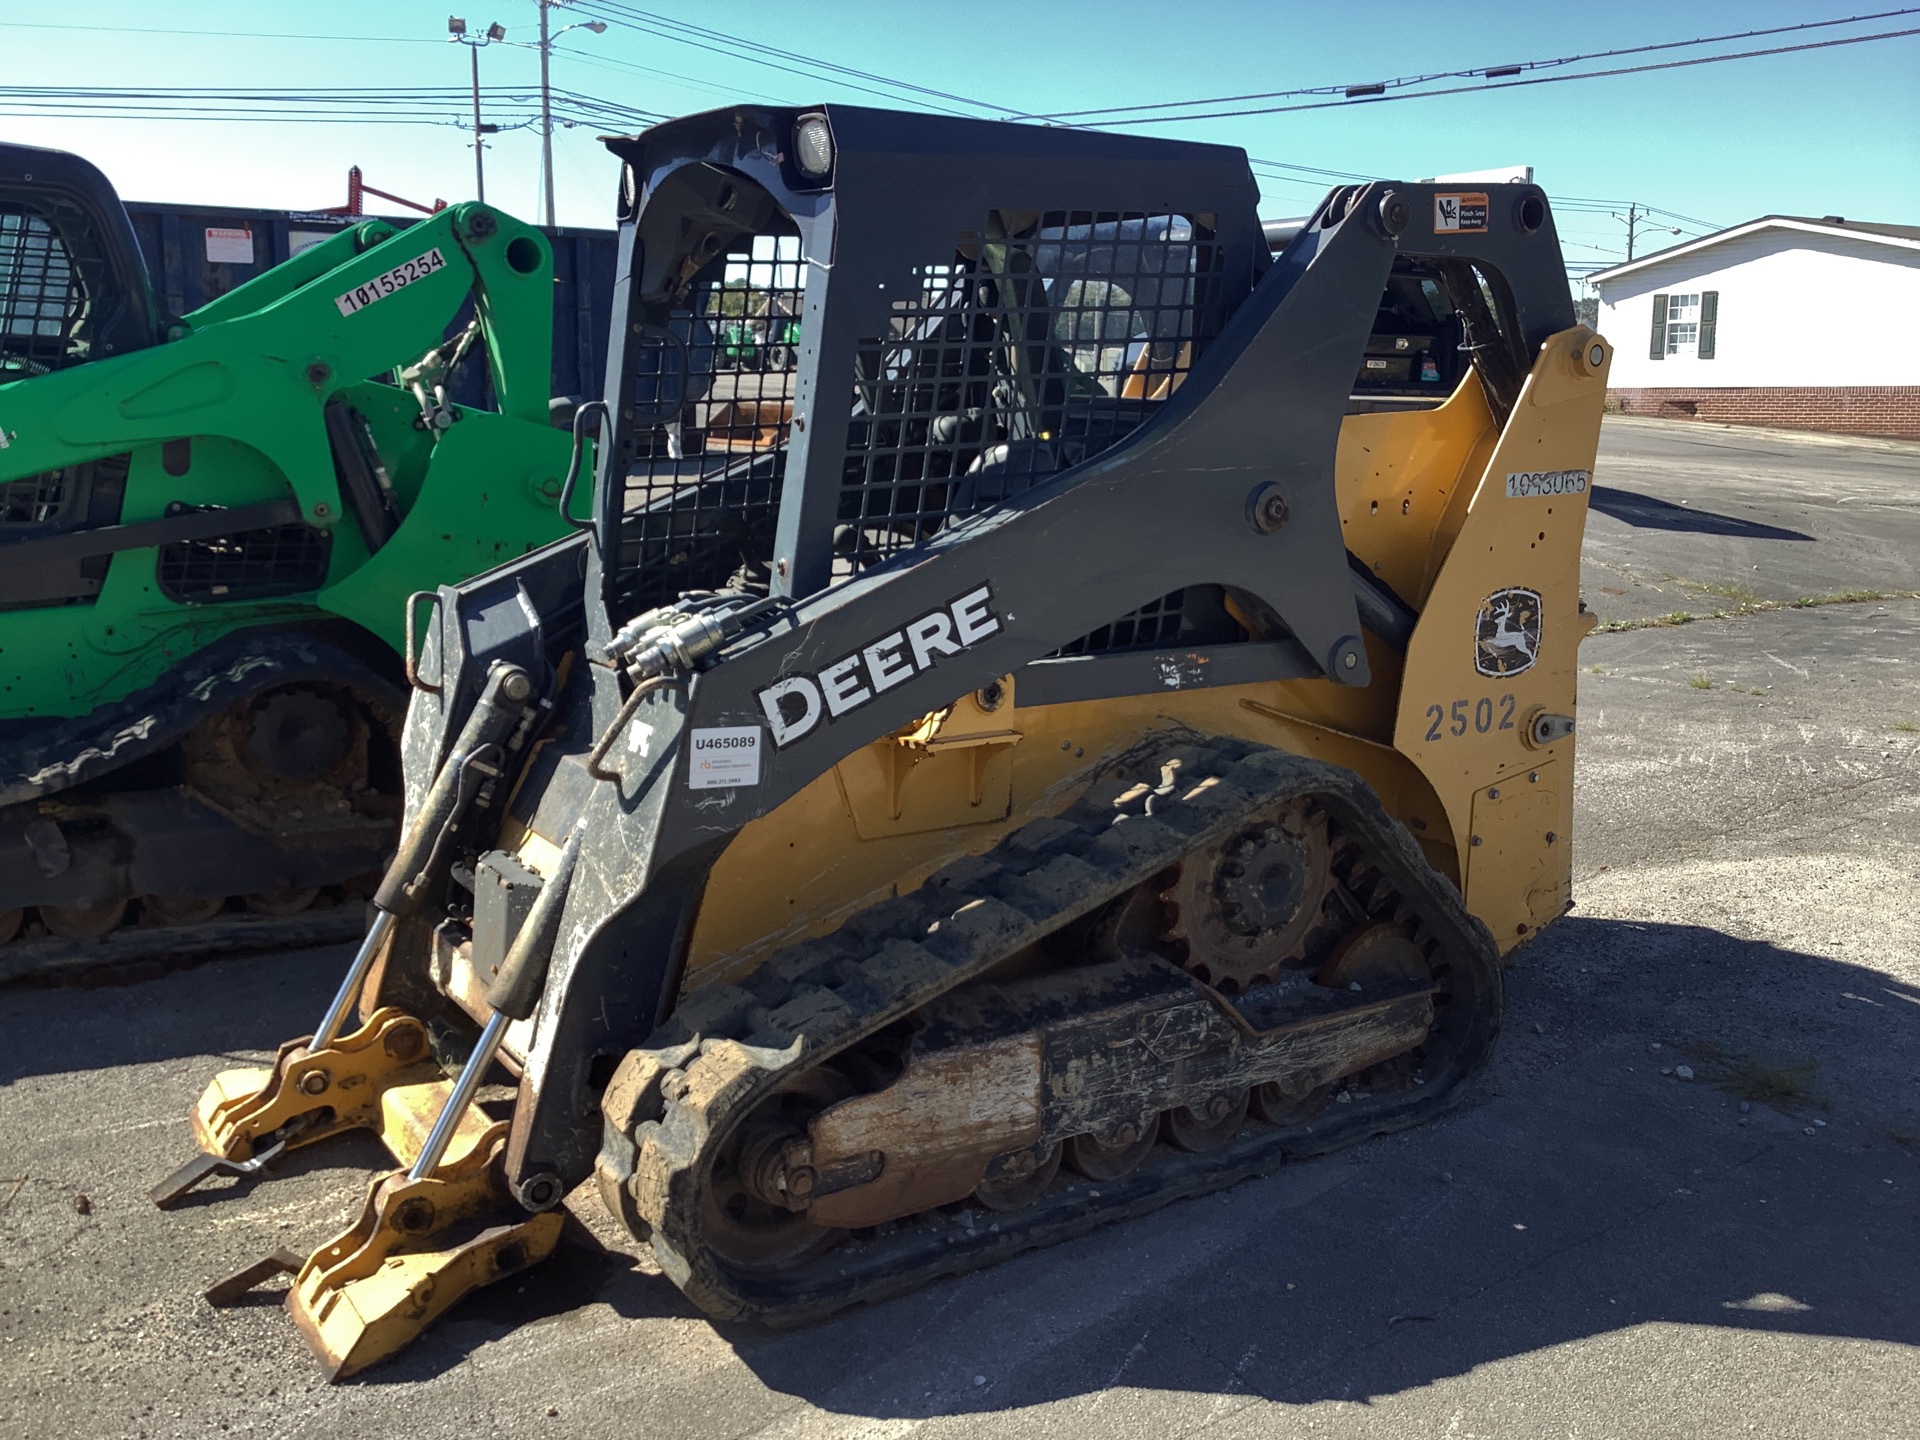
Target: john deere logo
1507	633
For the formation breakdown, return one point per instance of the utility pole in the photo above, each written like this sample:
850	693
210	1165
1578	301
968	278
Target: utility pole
546	111
479	145
598	27
1635	214
457	32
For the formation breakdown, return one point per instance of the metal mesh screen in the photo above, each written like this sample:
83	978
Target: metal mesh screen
249	565
34	500
1041	342
1151	627
713	400
41	299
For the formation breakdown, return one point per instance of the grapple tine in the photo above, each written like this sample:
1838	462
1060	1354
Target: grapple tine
175	1187
248	1118
230	1290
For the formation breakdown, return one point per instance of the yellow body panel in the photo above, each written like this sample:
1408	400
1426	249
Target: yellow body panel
1424	501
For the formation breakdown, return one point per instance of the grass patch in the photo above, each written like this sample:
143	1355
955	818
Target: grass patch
1757	607
1596	670
1701	682
1840	597
1904	727
1739	594
1756	691
1788	1087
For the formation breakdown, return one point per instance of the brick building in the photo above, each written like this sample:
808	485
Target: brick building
1789	321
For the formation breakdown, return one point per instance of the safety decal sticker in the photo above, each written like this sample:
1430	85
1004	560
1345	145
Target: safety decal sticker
1539	484
1460	214
1507	632
391	283
795	705
724	758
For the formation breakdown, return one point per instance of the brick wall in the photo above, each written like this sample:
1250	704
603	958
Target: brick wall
1892	411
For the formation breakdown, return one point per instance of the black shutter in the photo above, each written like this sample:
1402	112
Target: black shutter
1658	351
1709	313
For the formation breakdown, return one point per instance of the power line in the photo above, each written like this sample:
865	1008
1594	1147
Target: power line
1370	99
608	62
791	62
1488	71
219	34
339	105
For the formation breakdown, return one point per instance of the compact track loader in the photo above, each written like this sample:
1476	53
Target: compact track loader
208	528
1035	758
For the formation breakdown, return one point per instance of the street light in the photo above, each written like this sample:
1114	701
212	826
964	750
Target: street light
598	27
457	34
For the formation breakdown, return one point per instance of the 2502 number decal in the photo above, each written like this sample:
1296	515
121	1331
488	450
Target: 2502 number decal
1457	717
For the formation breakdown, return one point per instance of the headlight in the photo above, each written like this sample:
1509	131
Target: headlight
813	147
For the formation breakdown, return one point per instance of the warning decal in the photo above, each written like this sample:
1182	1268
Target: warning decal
1459	214
226	246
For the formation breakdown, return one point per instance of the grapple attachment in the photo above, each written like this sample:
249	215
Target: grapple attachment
247	1119
419	1244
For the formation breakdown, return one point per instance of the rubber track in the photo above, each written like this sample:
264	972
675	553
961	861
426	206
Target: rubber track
140	952
819	996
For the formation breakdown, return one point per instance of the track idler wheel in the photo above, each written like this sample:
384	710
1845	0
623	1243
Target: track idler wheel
1283	1109
1209	1125
84	922
1015	1181
179	909
1116	1155
750	1222
283	902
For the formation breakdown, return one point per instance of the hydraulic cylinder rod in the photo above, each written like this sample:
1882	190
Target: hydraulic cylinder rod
405	887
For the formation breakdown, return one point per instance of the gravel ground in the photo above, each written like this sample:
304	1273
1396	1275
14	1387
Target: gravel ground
1597	1247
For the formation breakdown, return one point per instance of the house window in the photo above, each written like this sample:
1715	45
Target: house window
1683	324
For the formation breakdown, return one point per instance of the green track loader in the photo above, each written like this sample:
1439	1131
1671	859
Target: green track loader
209	528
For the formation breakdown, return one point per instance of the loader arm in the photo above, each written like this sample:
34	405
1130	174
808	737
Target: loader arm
233	412
257	366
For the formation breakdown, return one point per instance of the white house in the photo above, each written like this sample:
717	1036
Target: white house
1784	320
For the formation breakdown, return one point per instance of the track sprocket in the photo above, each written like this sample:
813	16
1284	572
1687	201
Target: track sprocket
1238	911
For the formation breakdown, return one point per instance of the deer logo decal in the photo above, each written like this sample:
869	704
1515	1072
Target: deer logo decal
1507	632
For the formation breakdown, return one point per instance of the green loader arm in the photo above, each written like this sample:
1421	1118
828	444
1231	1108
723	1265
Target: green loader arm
245	382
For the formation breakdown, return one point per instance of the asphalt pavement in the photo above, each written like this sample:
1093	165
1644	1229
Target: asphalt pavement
1597	1246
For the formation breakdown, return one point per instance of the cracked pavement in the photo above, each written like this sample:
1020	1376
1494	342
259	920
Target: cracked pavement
1594	1247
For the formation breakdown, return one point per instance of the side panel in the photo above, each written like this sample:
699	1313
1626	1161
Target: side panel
1498	644
1403	481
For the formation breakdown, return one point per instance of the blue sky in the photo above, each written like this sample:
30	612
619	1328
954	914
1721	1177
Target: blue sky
1833	131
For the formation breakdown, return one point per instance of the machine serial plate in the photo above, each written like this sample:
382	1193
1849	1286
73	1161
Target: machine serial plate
1535	484
396	279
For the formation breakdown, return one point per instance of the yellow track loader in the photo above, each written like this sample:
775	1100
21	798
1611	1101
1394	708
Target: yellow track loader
1048	744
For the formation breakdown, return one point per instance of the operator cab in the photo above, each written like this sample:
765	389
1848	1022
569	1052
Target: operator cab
72	284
